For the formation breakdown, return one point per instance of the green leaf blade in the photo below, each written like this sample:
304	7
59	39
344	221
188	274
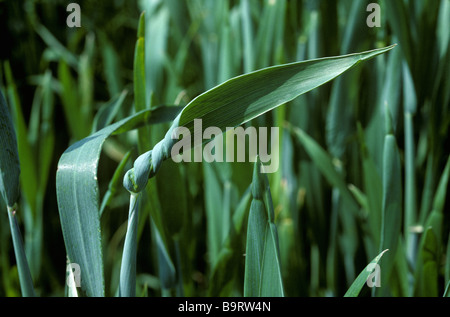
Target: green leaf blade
245	97
271	279
139	68
9	157
255	245
262	263
359	282
78	196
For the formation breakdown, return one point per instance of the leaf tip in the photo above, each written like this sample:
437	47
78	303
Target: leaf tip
258	183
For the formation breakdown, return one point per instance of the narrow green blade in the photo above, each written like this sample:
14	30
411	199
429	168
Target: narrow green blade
358	284
9	157
392	198
26	282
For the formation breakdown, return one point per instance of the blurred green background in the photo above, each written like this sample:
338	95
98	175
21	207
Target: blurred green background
57	81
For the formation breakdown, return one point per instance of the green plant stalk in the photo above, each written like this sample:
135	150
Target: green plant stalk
410	189
247	31
392	200
410	107
179	286
127	283
26	282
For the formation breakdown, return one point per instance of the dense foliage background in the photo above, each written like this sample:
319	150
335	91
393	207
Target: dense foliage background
58	79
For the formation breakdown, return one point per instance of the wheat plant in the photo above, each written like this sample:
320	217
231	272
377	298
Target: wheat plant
357	207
